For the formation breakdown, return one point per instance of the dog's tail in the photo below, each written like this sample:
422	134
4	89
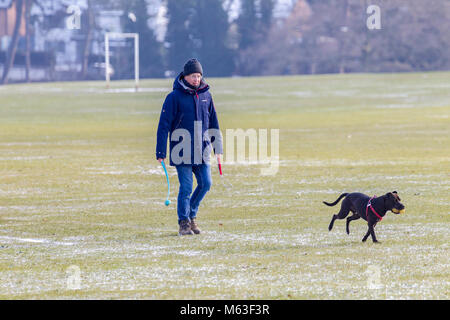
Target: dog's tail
336	202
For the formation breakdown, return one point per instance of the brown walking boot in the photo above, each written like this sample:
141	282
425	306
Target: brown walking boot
194	227
185	228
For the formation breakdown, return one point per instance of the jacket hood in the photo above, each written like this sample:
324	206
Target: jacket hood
179	85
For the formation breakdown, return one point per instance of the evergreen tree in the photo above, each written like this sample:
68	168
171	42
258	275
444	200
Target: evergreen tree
254	24
150	50
211	32
266	13
178	36
198	29
247	23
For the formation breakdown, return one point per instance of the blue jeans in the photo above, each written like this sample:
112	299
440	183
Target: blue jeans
187	205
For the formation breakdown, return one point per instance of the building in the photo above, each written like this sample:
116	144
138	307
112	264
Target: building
58	38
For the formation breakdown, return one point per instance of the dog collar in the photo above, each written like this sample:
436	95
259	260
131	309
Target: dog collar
369	204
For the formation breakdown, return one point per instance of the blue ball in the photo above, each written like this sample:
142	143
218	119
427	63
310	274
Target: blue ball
167	202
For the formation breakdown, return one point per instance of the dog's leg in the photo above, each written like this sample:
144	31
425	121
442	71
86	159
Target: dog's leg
366	236
370	231
349	219
345	210
332	222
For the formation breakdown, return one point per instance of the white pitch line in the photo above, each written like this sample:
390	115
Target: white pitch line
31	240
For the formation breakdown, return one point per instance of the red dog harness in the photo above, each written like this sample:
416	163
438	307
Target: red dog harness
369	204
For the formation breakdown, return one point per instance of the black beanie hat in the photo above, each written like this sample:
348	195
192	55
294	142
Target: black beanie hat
192	66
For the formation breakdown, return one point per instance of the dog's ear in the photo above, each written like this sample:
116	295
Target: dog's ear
396	195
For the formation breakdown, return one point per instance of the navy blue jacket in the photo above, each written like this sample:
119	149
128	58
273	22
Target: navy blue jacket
182	107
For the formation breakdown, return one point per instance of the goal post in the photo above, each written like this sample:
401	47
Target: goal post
114	35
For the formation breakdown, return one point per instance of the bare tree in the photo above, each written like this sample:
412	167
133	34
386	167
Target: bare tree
14	41
28	5
89	35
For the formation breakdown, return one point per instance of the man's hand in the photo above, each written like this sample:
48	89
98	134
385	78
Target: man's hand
161	160
219	157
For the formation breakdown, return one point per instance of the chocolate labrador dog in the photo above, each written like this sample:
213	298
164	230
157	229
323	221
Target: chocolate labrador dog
370	209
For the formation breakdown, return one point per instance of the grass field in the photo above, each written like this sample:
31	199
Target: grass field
81	192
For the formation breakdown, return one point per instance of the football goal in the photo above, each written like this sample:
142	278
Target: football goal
118	36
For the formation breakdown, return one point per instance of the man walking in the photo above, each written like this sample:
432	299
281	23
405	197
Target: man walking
189	118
